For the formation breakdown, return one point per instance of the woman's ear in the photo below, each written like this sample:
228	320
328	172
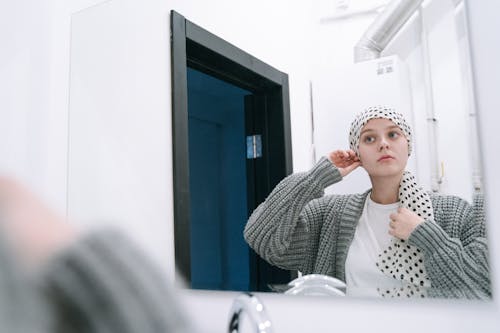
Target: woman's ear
361	162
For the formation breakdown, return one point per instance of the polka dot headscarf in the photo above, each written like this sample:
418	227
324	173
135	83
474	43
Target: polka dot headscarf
377	112
400	260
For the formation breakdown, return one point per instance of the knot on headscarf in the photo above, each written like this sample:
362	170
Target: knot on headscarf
399	260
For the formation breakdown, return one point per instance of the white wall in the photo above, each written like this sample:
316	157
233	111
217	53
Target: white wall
34	93
25	63
120	154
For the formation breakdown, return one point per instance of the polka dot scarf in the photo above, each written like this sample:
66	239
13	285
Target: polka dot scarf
399	260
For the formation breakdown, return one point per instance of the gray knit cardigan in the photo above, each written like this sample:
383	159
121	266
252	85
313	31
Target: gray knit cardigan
101	284
298	228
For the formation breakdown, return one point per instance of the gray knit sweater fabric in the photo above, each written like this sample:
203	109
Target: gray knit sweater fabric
298	228
101	284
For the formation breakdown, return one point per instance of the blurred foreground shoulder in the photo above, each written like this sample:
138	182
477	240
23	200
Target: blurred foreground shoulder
105	283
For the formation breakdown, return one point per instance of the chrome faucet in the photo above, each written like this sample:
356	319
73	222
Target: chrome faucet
317	285
252	306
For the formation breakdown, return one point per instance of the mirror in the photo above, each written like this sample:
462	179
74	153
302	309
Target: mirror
424	72
426	67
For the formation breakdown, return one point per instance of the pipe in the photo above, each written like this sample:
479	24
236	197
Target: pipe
437	168
384	28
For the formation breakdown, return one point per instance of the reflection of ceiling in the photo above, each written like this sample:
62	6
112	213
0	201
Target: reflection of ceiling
346	9
208	85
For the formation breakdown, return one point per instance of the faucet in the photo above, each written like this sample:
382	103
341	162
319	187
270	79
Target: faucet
250	304
317	285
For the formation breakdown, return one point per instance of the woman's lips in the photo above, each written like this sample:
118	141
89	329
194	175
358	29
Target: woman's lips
385	157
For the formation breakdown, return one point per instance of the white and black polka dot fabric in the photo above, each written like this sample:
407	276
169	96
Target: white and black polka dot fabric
375	112
400	260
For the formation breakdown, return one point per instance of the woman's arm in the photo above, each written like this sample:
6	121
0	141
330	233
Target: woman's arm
284	229
104	283
53	280
456	252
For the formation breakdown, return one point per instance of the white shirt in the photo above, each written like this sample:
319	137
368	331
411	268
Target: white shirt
370	239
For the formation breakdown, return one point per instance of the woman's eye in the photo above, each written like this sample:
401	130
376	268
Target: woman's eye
368	139
393	135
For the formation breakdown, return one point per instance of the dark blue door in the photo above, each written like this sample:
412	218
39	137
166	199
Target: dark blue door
220	258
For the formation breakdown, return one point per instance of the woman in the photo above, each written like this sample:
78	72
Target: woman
55	279
394	240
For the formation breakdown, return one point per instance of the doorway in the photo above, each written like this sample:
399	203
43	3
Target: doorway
232	145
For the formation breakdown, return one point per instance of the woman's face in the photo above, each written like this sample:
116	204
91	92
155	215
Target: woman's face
383	148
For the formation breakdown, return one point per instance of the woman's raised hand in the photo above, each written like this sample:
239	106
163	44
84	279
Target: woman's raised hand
345	160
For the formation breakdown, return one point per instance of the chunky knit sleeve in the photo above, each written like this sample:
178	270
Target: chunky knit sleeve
455	250
103	283
22	309
285	228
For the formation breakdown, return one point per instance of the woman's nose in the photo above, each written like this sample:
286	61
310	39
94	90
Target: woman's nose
383	145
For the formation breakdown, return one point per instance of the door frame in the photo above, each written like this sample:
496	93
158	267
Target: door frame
195	47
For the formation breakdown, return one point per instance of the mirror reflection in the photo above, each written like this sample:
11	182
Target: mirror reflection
392	203
235	111
394	240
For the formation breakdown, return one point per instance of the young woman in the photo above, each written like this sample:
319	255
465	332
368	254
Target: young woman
394	240
56	279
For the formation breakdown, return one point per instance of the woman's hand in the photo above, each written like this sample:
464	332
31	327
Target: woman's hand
403	222
33	230
345	160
